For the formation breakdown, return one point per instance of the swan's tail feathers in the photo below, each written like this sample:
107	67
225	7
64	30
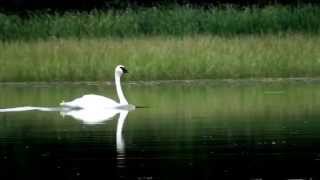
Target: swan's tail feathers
62	103
65	107
69	105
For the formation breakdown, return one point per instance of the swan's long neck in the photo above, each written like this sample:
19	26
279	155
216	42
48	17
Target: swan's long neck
122	99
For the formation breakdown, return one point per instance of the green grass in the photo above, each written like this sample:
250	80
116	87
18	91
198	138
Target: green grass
162	58
175	21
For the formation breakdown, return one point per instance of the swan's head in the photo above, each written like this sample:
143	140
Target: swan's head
120	70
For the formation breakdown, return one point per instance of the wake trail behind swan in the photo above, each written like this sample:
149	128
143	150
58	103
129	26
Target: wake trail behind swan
31	108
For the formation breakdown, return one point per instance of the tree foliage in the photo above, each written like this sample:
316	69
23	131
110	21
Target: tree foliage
122	4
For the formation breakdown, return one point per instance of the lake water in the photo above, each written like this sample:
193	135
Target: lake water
188	130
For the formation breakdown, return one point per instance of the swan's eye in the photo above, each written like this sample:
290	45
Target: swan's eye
124	70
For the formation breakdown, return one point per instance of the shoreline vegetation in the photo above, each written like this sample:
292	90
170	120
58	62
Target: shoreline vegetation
161	44
175	21
185	82
162	58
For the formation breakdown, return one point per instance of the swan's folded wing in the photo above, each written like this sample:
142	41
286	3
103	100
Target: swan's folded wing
91	101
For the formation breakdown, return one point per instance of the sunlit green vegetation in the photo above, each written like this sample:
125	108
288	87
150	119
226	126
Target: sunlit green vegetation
161	44
162	58
175	21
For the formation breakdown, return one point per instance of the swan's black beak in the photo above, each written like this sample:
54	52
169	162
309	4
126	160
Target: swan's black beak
124	70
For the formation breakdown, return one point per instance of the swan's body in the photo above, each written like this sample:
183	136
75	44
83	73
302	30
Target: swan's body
92	101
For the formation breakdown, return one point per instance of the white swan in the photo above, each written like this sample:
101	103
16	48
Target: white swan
92	101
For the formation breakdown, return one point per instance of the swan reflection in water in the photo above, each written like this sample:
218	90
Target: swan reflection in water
92	116
87	116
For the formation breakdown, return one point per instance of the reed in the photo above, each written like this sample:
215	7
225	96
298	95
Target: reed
174	21
162	58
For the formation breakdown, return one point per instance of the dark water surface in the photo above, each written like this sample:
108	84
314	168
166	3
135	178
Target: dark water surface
190	131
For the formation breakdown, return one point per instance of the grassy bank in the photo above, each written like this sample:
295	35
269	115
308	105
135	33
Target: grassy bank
157	58
176	21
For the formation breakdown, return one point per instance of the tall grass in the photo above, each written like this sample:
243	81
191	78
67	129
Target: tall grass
161	58
176	21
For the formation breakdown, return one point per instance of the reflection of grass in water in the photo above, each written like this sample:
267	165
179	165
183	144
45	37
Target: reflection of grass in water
182	120
175	21
187	100
175	107
157	58
241	103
